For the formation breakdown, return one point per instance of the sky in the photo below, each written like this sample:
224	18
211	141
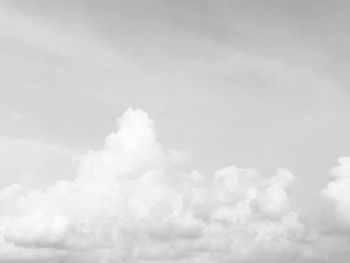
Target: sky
182	131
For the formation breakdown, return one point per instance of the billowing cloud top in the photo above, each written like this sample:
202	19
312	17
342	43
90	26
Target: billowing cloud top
123	206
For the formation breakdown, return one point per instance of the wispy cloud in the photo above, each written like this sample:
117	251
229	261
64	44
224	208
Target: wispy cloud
33	162
263	85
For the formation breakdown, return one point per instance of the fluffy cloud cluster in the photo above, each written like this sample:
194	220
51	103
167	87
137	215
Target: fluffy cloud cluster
125	206
338	191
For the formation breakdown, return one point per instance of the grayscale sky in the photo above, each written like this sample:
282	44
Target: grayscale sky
252	84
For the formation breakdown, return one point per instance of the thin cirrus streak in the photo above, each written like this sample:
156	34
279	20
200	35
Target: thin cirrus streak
124	206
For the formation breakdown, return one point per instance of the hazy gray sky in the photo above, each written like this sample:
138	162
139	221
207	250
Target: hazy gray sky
255	84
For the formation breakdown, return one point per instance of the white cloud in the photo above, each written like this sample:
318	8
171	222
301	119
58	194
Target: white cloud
338	191
123	207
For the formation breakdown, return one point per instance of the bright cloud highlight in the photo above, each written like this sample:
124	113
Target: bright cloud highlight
124	207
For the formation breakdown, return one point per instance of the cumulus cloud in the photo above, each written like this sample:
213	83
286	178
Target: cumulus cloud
124	207
338	191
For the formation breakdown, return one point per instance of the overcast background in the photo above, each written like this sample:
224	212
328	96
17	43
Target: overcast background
257	84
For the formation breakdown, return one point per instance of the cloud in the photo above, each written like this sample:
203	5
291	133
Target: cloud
8	114
338	191
33	162
124	207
